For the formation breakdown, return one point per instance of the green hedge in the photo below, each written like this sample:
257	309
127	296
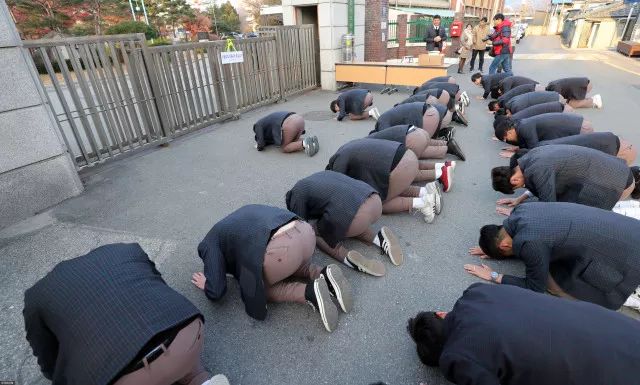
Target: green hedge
133	27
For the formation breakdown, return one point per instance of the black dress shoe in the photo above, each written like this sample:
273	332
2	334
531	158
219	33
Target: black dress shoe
454	149
459	118
445	132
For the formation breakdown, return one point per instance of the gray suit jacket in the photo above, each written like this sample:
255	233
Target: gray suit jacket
592	254
565	173
431	34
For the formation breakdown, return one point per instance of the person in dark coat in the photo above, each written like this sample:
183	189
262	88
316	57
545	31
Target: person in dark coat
564	173
526	133
284	129
264	247
418	141
529	99
390	168
436	35
570	250
536	109
431	118
354	103
575	90
430	96
108	317
511	82
519	90
500	335
340	207
488	82
451	88
447	94
606	142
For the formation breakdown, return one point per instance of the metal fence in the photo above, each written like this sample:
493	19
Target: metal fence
416	29
113	94
393	32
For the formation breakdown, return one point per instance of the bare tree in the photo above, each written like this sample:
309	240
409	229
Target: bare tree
253	8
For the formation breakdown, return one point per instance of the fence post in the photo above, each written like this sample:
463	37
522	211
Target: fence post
150	71
279	63
229	89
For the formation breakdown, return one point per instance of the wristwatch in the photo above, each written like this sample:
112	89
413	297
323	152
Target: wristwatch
494	276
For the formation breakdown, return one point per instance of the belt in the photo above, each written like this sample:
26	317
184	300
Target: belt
152	355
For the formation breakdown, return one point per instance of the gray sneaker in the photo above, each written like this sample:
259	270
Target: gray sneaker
361	263
435	191
318	296
339	286
218	379
390	245
310	148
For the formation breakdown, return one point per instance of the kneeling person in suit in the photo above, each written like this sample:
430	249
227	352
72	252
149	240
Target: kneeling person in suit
354	103
263	247
284	129
497	335
108	317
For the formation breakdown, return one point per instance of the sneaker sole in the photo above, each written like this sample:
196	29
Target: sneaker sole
219	379
449	179
365	265
438	206
328	311
341	287
395	251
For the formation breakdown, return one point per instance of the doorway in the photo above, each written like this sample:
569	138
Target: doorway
309	15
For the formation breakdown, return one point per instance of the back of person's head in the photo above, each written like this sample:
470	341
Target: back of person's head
497	121
495	92
505	124
484	19
333	105
499	16
501	179
489	240
502	112
476	76
427	331
493	104
635	170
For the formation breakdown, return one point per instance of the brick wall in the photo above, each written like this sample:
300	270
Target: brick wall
375	48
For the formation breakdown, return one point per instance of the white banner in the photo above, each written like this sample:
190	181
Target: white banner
231	57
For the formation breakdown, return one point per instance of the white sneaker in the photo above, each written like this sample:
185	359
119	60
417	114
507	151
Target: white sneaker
374	113
434	191
427	209
218	379
633	301
465	98
597	101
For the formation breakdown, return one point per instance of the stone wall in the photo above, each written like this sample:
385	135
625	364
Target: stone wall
36	170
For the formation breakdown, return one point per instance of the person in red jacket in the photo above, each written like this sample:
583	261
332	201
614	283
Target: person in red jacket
501	39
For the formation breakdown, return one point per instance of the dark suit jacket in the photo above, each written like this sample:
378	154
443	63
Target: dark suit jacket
565	173
89	317
268	130
529	99
431	34
500	335
592	254
547	126
351	102
602	141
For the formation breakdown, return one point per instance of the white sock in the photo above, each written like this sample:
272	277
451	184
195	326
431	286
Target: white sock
371	112
418	203
438	170
376	240
423	192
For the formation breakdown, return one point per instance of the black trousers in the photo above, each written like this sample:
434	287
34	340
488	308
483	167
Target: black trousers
475	53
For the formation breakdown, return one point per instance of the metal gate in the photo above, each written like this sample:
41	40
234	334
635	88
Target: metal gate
113	94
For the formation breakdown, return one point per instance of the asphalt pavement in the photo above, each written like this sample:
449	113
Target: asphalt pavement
168	198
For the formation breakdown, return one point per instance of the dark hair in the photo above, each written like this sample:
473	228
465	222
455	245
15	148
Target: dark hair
503	125
492	104
436	17
501	179
501	112
635	170
513	161
495	92
333	105
427	331
497	120
489	240
484	19
476	76
498	16
415	90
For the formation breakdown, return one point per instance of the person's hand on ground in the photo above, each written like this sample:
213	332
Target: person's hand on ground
199	280
477	251
479	97
483	271
511	202
511	148
506	154
495	139
506	211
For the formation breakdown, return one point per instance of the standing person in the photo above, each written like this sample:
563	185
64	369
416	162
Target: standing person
268	250
435	36
501	50
355	104
340	207
575	90
466	46
480	32
108	317
284	129
498	335
568	249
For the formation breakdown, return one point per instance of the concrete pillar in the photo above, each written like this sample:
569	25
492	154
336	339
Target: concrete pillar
375	21
36	170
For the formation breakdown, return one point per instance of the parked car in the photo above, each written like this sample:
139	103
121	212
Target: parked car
251	35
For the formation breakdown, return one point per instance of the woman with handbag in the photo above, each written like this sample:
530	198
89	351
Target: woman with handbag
466	46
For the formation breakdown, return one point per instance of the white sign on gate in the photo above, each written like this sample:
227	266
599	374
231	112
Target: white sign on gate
231	57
